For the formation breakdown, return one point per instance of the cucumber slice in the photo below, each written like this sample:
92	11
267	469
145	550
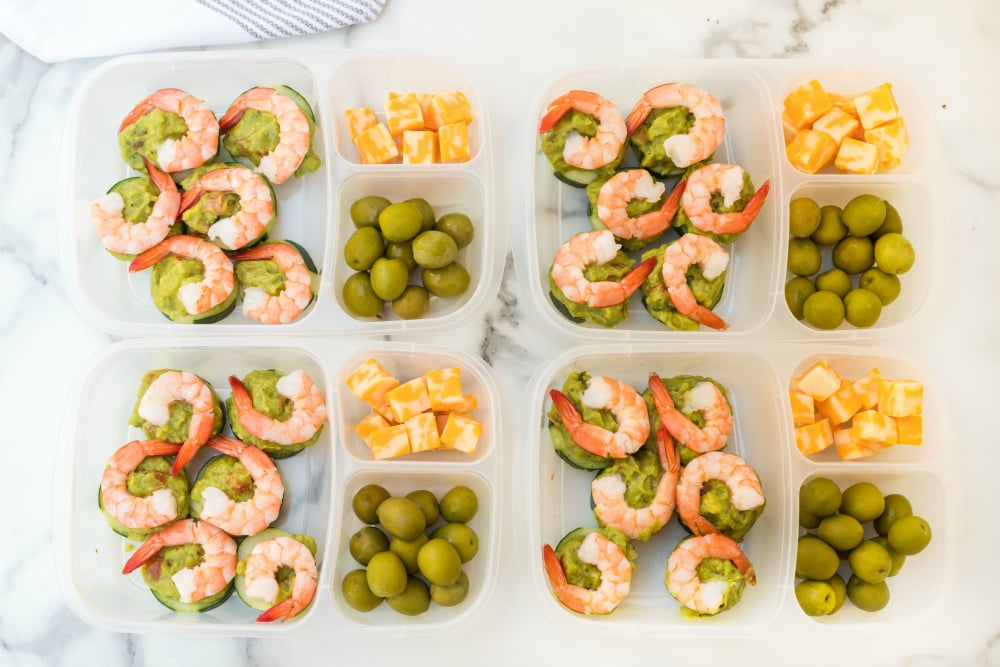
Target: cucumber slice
574	454
203	605
243	552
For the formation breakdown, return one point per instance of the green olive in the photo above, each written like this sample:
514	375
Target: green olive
400	222
896	506
357	593
892	223
831	227
427	502
439	562
807	519
449	281
414	600
407	551
402	518
426	212
363	247
403	251
386	574
366	501
365	211
840	588
458	226
864	214
804	258
366	543
885	286
898	559
820	496
870	561
865	596
434	250
840	531
815	559
449	596
412	303
823	310
797	290
909	535
388	277
817	598
834	280
459	504
894	253
862	308
460	536
854	254
803	216
359	297
863	501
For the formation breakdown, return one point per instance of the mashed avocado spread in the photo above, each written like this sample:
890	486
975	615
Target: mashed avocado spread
143	137
211	207
257	134
657	301
262	273
226	474
716	569
168	275
647	140
716	507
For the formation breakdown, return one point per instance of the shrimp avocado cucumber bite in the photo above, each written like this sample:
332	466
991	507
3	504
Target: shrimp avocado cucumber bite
136	214
281	413
634	482
647	141
230	205
699	292
171	403
720	568
583	574
277	281
632	205
147	497
562	441
693	407
269	566
583	137
172	129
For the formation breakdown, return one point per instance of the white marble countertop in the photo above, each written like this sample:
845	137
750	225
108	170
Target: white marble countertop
951	49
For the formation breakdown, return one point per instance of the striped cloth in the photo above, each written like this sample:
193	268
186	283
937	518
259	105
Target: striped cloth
268	19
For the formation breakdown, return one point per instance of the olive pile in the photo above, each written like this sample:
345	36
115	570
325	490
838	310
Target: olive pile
838	520
867	240
410	557
394	240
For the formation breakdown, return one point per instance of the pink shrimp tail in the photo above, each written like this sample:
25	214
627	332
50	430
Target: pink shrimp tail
703	315
567	411
158	447
702	526
265	251
193	444
148	549
160	179
226	445
737	222
757	201
670	458
639	113
634	278
150	257
233	114
553	568
283	610
559	108
669	208
190	198
241	397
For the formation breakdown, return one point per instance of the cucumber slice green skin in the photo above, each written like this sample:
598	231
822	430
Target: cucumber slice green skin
243	552
203	605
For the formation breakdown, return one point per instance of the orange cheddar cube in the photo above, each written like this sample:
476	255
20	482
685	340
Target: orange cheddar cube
419	147
819	381
453	141
431	120
803	408
892	141
867	389
900	398
845	104
837	123
811	150
841	406
423	433
461	432
815	437
390	442
359	119
379	404
469	403
857	157
376	146
367	426
452	107
847	448
807	103
408	399
444	389
877	106
368	378
873	429
402	112
910	430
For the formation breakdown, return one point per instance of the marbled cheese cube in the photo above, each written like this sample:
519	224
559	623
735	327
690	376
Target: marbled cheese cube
910	430
803	408
368	378
419	147
847	448
359	119
877	106
841	405
857	157
806	103
452	107
431	120
819	381
892	141
811	150
390	442
380	404
366	427
900	398
815	437
402	112
408	399
461	432
444	389
867	389
453	140
376	145
873	429
837	123
423	433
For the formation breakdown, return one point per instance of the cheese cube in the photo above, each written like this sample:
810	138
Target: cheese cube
892	141
359	119
376	145
837	123
803	408
453	140
461	432
847	448
900	398
431	120
452	107
819	381
841	406
368	378
811	150
380	404
371	423
845	104
857	157
390	442
806	103
867	389
873	429
419	147
408	399
402	112
877	106
423	433
469	403
815	437
910	430
444	389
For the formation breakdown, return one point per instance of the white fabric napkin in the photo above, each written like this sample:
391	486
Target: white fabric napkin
56	30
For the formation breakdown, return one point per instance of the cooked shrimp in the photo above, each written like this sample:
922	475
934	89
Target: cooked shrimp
248	517
308	410
705	397
128	238
140	512
260	581
683	582
256	205
727	180
294	138
197	296
173	386
584	249
293	298
611	508
588	152
202	139
745	492
616	576
622	401
216	569
678	257
705	134
623	187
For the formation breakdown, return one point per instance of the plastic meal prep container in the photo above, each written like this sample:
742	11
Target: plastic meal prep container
312	210
751	93
319	484
757	376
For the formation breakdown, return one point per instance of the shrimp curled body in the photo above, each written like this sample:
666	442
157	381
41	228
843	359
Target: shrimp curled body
256	205
131	511
127	238
583	250
706	133
616	576
615	195
198	296
261	582
294	137
705	397
678	257
727	180
742	482
294	296
624	402
180	386
201	141
583	152
251	516
308	410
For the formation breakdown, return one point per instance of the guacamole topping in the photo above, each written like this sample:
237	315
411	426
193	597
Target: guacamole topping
683	222
139	195
562	441
634	208
211	207
554	141
285	576
608	316
168	275
257	134
583	574
657	301
150	476
263	389
176	428
226	474
647	140
641	474
144	137
262	273
716	507
716	569
678	387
